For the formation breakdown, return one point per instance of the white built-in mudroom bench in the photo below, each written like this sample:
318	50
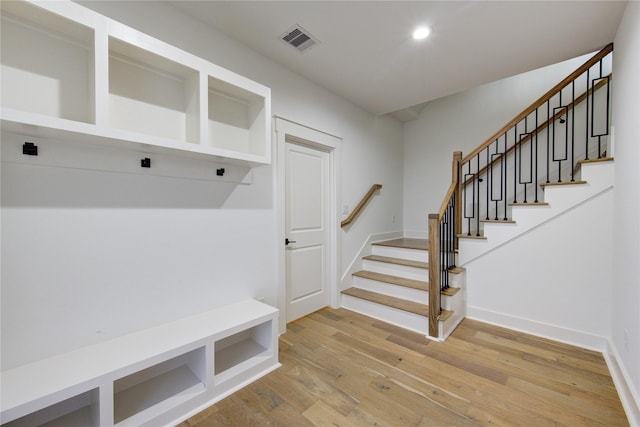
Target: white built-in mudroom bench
71	74
153	377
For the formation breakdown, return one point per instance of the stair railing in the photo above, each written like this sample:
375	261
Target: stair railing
542	144
354	214
443	229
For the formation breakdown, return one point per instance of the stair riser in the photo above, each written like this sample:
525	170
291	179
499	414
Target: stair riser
403	292
396	270
392	315
457	280
410	254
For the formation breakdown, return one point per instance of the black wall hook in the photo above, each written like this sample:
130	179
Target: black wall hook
30	149
145	163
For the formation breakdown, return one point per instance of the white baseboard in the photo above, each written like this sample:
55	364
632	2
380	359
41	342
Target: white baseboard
413	234
629	396
544	330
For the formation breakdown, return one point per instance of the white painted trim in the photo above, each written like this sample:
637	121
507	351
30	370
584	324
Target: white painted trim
365	249
289	130
544	330
629	396
414	234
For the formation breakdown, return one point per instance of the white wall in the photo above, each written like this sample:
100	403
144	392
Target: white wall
551	280
462	122
626	226
88	255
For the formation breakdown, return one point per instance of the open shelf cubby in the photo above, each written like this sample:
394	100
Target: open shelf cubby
238	351
77	411
47	63
152	95
141	395
236	118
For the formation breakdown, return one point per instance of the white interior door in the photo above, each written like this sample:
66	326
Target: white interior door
307	229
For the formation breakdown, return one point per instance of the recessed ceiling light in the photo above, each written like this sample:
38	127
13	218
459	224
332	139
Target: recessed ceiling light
421	33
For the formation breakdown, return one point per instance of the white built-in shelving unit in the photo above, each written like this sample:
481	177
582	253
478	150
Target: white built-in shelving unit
153	377
71	73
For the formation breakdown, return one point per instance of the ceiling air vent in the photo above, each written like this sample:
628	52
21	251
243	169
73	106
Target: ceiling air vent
299	38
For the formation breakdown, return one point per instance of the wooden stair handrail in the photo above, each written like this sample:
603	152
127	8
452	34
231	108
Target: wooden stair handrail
363	202
536	104
542	127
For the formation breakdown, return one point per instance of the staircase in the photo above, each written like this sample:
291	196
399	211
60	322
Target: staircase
392	286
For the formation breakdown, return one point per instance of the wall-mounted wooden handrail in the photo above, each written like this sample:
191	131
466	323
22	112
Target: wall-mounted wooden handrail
363	202
536	104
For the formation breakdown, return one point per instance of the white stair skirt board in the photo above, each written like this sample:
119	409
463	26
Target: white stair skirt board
599	177
446	328
365	249
409	294
404	253
387	314
405	271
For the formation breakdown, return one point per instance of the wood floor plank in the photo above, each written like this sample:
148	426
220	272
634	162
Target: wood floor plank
346	369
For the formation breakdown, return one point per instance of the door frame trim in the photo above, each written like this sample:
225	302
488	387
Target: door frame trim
287	130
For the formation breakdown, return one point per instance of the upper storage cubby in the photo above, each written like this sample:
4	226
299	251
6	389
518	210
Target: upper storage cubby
69	72
236	118
152	95
47	63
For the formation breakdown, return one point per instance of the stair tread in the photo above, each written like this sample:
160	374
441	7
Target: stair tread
601	159
398	303
450	291
499	221
394	280
473	236
551	184
397	261
529	204
406	243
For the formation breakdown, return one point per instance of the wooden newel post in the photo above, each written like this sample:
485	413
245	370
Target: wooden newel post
457	160
434	274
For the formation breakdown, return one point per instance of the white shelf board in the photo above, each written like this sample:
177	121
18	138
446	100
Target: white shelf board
236	354
36	125
156	395
80	418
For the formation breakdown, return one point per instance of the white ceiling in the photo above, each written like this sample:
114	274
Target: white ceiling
367	55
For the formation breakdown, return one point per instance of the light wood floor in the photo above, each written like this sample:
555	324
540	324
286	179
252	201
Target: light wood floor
340	368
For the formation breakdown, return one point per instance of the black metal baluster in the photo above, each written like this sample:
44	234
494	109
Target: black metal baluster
515	164
488	181
586	121
479	181
548	152
573	132
535	181
504	175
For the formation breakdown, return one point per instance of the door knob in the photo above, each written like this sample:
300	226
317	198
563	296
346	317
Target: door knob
287	241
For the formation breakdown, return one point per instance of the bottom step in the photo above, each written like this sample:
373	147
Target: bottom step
407	314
